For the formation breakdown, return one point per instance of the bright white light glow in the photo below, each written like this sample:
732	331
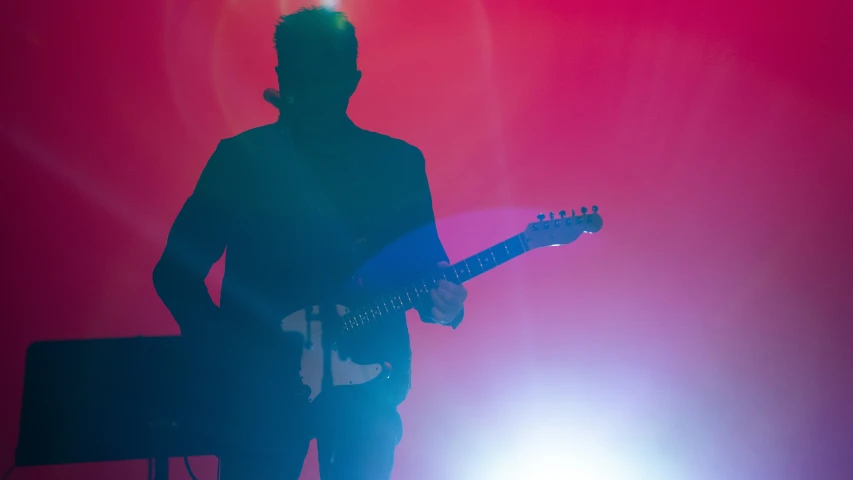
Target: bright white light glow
564	439
546	454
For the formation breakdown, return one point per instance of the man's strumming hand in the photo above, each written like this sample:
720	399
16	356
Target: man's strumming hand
447	299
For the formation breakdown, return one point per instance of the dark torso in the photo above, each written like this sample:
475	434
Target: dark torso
337	224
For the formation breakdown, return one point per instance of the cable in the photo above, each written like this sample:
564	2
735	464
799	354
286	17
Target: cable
189	469
9	472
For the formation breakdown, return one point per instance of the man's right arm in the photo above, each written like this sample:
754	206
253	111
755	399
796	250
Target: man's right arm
196	241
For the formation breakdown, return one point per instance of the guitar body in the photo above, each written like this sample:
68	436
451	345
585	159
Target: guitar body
322	363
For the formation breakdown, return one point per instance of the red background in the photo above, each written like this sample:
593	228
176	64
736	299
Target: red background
702	334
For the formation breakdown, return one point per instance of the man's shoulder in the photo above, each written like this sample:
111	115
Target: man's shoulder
394	149
255	136
253	149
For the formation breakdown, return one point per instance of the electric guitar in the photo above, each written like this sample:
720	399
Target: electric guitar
322	363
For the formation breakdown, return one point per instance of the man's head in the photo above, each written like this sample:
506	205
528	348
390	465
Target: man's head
317	72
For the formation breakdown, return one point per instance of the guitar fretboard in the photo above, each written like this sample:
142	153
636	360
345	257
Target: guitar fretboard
417	293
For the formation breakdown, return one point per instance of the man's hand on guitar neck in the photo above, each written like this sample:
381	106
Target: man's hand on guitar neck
447	300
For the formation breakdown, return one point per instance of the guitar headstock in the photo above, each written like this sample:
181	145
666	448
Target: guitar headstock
563	230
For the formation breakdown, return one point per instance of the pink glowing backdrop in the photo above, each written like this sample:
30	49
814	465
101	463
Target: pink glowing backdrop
703	334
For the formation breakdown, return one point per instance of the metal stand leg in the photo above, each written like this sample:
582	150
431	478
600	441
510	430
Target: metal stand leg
161	468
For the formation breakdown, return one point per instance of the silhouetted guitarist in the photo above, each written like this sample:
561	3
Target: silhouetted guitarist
302	207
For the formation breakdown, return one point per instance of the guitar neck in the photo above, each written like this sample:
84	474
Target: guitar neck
417	293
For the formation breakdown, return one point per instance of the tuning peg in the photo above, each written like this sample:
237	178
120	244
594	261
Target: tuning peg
541	216
594	209
552	215
583	210
562	213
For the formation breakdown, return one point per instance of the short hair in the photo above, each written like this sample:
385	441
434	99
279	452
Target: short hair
318	31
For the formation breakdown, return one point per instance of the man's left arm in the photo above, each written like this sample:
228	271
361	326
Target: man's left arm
446	303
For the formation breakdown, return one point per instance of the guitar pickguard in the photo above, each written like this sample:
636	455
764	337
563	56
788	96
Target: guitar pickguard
343	372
